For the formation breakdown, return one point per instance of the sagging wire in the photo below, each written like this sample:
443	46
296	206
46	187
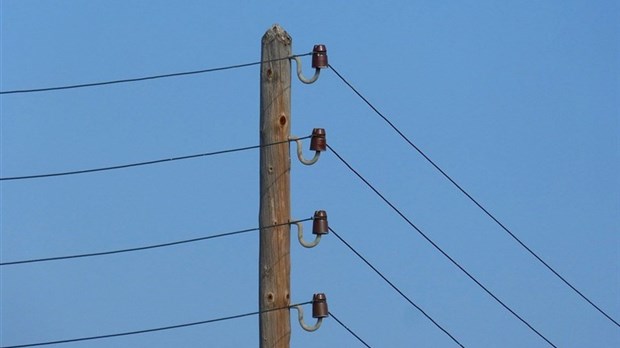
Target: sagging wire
138	164
154	246
153	330
144	78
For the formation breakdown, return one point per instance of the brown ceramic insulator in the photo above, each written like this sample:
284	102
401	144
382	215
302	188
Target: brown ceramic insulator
318	141
319	57
319	306
319	222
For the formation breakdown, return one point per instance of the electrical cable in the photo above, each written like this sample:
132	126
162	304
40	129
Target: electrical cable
153	330
153	77
395	287
347	328
438	248
429	160
8	263
123	166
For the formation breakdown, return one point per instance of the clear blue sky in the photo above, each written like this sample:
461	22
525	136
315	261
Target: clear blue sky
519	102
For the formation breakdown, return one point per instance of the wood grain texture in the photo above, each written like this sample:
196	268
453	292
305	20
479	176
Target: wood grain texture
275	166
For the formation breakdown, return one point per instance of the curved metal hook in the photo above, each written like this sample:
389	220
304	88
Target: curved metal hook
301	156
300	316
300	236
303	79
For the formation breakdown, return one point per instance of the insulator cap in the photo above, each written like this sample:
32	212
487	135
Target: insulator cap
318	140
319	57
319	306
319	222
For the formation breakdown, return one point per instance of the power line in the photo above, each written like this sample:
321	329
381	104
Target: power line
429	160
395	287
347	328
227	234
152	330
438	248
138	164
144	78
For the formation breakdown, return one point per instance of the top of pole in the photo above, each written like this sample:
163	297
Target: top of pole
277	32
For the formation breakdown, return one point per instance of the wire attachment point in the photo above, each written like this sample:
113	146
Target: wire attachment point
319	228
319	57
318	144
319	311
319	61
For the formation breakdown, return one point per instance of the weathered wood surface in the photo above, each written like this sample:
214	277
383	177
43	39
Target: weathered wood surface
275	166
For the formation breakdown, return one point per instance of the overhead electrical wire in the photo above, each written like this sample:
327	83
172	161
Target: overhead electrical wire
154	246
152	77
138	164
152	330
144	78
454	262
395	287
471	198
347	328
254	229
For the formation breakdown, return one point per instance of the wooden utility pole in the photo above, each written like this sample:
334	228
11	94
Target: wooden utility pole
275	166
